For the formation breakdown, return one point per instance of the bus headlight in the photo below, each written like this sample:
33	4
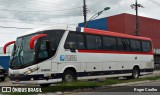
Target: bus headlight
31	70
27	72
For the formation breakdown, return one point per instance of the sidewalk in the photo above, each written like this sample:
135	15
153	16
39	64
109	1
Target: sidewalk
155	73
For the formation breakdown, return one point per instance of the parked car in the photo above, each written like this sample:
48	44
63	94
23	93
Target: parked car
3	73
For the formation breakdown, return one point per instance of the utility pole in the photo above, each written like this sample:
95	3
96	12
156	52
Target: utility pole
136	6
85	13
137	20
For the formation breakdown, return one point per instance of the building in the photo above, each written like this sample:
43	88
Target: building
4	58
125	23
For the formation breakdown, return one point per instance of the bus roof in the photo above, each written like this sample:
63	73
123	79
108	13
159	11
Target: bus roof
109	33
53	27
86	30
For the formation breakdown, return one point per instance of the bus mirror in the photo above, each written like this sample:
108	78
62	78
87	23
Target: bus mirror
34	38
6	45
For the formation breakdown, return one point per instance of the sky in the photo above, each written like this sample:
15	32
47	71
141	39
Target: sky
33	14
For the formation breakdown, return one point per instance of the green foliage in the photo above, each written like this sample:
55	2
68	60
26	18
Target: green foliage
86	84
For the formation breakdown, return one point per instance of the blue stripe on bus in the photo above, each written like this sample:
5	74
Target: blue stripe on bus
79	74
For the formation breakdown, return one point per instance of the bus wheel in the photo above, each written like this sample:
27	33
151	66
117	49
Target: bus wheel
45	85
69	76
3	79
135	73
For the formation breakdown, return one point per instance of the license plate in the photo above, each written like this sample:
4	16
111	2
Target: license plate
1	75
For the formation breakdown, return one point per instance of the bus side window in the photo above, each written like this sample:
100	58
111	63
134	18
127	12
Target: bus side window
120	44
80	43
90	41
98	42
126	44
43	53
146	46
109	43
135	45
71	41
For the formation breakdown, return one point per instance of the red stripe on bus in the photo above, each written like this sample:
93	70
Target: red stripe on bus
114	52
114	34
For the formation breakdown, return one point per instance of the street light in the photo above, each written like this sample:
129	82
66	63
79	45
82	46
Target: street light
99	13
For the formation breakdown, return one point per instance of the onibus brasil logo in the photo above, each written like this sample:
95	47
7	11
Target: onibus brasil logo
21	89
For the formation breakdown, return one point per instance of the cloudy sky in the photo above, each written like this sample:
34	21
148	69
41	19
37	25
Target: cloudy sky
38	13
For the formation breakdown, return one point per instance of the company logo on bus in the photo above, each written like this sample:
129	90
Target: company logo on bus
68	58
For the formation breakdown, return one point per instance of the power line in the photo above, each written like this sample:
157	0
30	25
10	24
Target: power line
24	22
41	11
35	23
28	20
155	2
16	27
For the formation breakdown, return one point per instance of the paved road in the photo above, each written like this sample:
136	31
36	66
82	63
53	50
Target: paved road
5	83
8	83
109	91
113	91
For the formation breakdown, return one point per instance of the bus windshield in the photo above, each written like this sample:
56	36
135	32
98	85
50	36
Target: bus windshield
22	55
45	48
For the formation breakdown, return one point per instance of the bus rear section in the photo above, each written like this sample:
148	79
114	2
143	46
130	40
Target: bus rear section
102	54
70	53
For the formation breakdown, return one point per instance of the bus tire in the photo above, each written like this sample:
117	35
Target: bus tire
69	76
3	79
135	73
45	85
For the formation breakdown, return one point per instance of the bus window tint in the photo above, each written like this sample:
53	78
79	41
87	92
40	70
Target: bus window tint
59	35
98	42
54	37
94	41
109	43
121	45
90	42
71	41
126	44
135	45
43	51
146	46
80	41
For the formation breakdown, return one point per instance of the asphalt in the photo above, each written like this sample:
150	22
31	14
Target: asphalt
127	90
118	89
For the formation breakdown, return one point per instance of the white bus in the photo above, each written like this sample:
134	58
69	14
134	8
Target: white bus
63	53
